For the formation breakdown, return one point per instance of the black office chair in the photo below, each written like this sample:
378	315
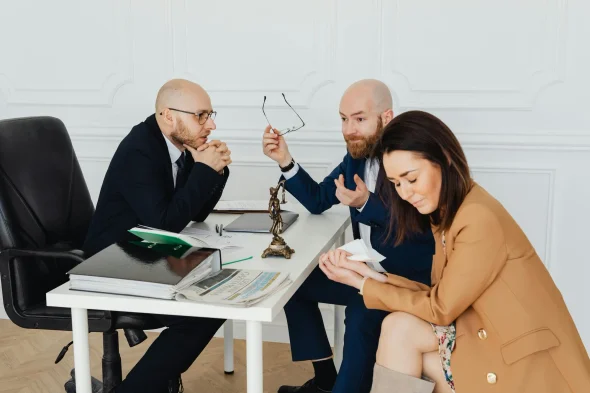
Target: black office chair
45	211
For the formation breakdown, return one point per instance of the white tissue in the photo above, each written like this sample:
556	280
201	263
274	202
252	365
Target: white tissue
360	252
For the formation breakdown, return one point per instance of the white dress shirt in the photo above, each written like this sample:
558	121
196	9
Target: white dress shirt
371	172
175	154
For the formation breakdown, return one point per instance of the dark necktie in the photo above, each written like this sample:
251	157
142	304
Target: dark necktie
182	173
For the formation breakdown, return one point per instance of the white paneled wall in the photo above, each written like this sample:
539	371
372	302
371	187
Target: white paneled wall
509	77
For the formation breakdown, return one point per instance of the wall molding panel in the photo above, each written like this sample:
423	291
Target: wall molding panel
303	83
469	73
526	169
98	91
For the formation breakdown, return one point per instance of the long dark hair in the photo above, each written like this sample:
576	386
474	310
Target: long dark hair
427	136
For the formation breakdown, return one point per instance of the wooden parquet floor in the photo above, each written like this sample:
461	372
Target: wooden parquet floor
27	363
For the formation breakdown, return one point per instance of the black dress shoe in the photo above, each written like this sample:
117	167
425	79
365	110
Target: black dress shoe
307	387
175	385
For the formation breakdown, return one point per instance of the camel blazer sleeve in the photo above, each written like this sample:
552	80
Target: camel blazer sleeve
475	254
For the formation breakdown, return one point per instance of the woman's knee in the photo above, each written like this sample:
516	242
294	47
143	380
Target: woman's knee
400	324
407	329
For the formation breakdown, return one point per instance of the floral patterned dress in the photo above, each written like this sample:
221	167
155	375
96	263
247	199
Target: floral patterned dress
446	336
446	343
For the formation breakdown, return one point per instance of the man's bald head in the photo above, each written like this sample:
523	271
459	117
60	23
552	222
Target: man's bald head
179	106
365	108
376	91
178	93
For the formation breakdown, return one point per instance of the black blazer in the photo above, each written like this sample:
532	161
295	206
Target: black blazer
138	188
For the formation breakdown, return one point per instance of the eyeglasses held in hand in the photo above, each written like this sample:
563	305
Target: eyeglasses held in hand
201	116
290	129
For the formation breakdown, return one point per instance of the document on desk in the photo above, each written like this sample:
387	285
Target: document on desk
222	242
235	287
190	237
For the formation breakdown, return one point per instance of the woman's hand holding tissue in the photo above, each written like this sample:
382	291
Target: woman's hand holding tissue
337	267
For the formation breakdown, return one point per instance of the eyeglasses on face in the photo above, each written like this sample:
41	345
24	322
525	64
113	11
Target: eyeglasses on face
202	117
290	129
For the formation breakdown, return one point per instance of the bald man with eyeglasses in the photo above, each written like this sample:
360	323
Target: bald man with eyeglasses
164	174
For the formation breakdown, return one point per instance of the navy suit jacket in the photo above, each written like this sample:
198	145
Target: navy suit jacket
411	259
138	189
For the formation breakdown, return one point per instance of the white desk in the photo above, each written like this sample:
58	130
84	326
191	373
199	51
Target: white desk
310	236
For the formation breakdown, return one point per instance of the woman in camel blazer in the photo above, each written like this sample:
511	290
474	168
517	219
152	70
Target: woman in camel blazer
493	320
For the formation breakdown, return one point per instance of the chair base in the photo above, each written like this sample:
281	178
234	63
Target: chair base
135	336
111	361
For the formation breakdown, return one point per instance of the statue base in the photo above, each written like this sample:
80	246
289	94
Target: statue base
278	248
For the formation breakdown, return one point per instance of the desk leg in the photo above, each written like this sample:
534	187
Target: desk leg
254	356
81	350
339	322
341	240
338	335
228	346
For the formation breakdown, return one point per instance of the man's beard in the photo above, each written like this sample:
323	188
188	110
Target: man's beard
363	147
183	136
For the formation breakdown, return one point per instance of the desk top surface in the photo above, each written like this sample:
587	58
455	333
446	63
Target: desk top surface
310	236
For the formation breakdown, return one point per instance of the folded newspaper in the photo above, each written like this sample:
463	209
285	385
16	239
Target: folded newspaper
209	283
235	287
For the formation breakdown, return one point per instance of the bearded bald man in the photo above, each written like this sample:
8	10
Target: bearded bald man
365	108
164	174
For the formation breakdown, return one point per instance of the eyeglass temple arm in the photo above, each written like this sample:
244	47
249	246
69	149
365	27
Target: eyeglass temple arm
264	113
285	98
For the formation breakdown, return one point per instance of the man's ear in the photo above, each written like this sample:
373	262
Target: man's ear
166	115
386	116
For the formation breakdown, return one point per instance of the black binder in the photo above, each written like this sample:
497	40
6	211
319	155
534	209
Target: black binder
140	268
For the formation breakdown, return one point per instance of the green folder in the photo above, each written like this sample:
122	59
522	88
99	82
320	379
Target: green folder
159	236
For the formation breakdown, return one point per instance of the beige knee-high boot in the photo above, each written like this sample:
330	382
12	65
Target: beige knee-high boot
389	381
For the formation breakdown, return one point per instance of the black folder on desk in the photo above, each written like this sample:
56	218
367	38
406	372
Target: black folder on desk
259	222
141	269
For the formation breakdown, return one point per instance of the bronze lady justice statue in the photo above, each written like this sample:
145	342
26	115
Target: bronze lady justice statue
278	246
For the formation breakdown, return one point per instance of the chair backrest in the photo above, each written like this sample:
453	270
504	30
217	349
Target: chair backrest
44	203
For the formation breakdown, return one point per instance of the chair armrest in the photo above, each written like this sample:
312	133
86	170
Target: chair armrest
75	255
